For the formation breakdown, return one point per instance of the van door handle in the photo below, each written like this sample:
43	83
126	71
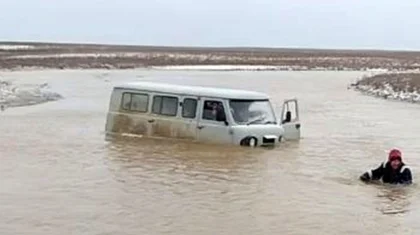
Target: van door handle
151	120
200	127
297	126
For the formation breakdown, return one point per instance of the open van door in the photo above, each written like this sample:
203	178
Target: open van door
290	119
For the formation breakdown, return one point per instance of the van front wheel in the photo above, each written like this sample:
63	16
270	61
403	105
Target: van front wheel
249	141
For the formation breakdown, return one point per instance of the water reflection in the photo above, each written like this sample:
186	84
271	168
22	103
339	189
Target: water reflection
186	182
394	199
186	161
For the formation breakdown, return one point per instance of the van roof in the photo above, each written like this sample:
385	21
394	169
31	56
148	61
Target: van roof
193	90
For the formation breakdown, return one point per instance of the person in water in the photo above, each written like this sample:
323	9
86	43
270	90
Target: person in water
394	171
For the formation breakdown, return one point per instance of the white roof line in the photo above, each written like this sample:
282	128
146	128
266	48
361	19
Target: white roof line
194	90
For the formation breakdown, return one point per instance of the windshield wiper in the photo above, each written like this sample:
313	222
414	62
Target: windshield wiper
270	122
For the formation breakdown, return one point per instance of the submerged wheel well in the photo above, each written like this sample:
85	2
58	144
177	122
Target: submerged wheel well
247	141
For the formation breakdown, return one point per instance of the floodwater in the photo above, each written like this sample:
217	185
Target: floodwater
59	175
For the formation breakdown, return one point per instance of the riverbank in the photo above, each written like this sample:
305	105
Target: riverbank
389	78
404	86
17	56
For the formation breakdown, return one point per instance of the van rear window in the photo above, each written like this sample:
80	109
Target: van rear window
135	102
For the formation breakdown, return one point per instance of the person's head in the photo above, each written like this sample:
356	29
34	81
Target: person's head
395	158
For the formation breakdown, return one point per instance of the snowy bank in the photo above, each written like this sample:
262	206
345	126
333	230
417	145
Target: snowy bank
255	68
15	96
395	86
6	47
223	67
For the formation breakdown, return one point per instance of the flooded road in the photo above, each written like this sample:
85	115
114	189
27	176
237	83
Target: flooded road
58	174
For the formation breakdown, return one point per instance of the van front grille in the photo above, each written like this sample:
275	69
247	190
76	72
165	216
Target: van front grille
268	140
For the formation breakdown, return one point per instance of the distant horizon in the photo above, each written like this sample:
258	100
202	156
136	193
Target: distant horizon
34	42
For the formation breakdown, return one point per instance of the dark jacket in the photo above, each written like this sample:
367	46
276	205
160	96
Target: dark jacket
388	175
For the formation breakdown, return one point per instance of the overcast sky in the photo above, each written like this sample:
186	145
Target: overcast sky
382	24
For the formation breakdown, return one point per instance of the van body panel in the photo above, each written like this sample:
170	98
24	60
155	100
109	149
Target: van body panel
209	128
174	128
129	124
290	119
189	118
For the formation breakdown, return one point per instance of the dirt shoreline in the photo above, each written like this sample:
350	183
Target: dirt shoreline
19	55
393	82
403	86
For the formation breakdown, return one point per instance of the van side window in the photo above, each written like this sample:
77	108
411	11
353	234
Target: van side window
214	110
165	105
135	102
189	108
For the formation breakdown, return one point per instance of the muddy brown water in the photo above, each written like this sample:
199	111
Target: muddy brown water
59	175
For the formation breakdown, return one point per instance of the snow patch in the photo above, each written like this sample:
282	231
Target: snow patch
221	67
15	47
258	68
24	95
387	92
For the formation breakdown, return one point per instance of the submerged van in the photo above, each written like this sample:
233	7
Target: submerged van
201	114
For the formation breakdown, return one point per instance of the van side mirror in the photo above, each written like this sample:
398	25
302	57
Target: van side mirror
220	117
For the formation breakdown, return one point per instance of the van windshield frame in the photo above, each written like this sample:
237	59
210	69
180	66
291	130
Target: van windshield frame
252	111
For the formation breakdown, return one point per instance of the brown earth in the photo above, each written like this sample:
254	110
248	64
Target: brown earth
407	82
86	56
144	56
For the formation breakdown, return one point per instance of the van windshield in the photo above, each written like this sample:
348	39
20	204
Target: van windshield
248	112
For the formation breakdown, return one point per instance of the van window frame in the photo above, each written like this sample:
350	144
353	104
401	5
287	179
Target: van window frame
131	99
161	102
211	99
